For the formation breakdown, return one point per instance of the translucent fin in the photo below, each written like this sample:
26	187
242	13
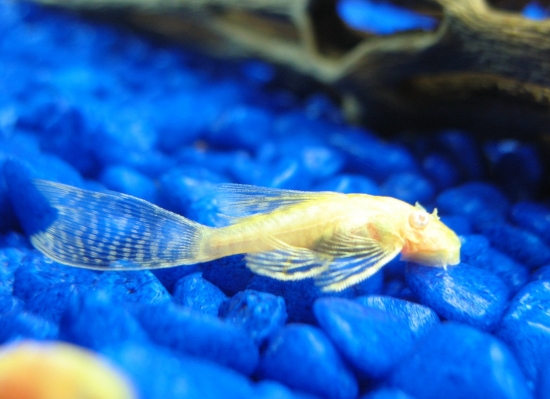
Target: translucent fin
241	200
356	259
287	262
115	231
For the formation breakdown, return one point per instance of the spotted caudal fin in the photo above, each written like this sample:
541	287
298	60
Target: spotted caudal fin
113	231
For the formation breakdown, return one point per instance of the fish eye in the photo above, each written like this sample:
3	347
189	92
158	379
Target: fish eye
419	219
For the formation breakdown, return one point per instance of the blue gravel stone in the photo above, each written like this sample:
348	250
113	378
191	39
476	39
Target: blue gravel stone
461	293
168	276
459	224
387	393
348	184
419	318
516	167
258	313
542	273
230	274
267	389
409	187
440	170
457	361
192	333
38	273
477	252
369	156
133	287
160	374
181	186
481	203
523	246
95	321
15	325
372	340
198	294
526	327
51	303
543	386
464	152
126	180
302	357
241	127
10	304
533	217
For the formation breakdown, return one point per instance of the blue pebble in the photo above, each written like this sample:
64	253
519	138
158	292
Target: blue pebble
128	181
258	313
23	325
521	245
542	273
133	287
516	167
409	187
463	150
476	251
348	184
320	106
419	318
302	357
372	340
158	373
455	361
230	274
15	240
95	321
371	157
184	185
387	393
440	170
526	327
51	303
459	224
168	276
10	304
461	293
481	203
38	273
267	389
241	127
192	333
543	386
533	217
196	293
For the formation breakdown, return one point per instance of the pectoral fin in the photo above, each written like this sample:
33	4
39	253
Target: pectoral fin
356	258
287	262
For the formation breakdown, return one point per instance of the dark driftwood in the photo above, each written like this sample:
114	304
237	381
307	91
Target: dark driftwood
484	68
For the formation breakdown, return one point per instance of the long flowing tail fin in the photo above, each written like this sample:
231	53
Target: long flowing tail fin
113	231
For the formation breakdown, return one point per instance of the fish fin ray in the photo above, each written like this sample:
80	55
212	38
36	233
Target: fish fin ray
113	231
355	259
287	262
237	201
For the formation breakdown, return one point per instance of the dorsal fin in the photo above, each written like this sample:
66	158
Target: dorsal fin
236	201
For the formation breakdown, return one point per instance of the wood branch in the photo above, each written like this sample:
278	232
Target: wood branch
483	68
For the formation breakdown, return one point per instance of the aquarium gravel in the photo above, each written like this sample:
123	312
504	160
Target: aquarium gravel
99	107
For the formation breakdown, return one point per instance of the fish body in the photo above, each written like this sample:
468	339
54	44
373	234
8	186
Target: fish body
338	239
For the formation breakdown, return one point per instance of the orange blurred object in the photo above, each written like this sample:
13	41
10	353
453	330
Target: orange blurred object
54	370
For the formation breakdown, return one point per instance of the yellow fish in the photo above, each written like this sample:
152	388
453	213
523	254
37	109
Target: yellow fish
338	239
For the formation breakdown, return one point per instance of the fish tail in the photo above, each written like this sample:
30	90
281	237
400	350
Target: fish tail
113	231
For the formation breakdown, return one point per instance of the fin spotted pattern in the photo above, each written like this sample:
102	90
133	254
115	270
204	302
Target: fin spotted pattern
113	231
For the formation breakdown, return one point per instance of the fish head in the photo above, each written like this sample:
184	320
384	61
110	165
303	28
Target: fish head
429	241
